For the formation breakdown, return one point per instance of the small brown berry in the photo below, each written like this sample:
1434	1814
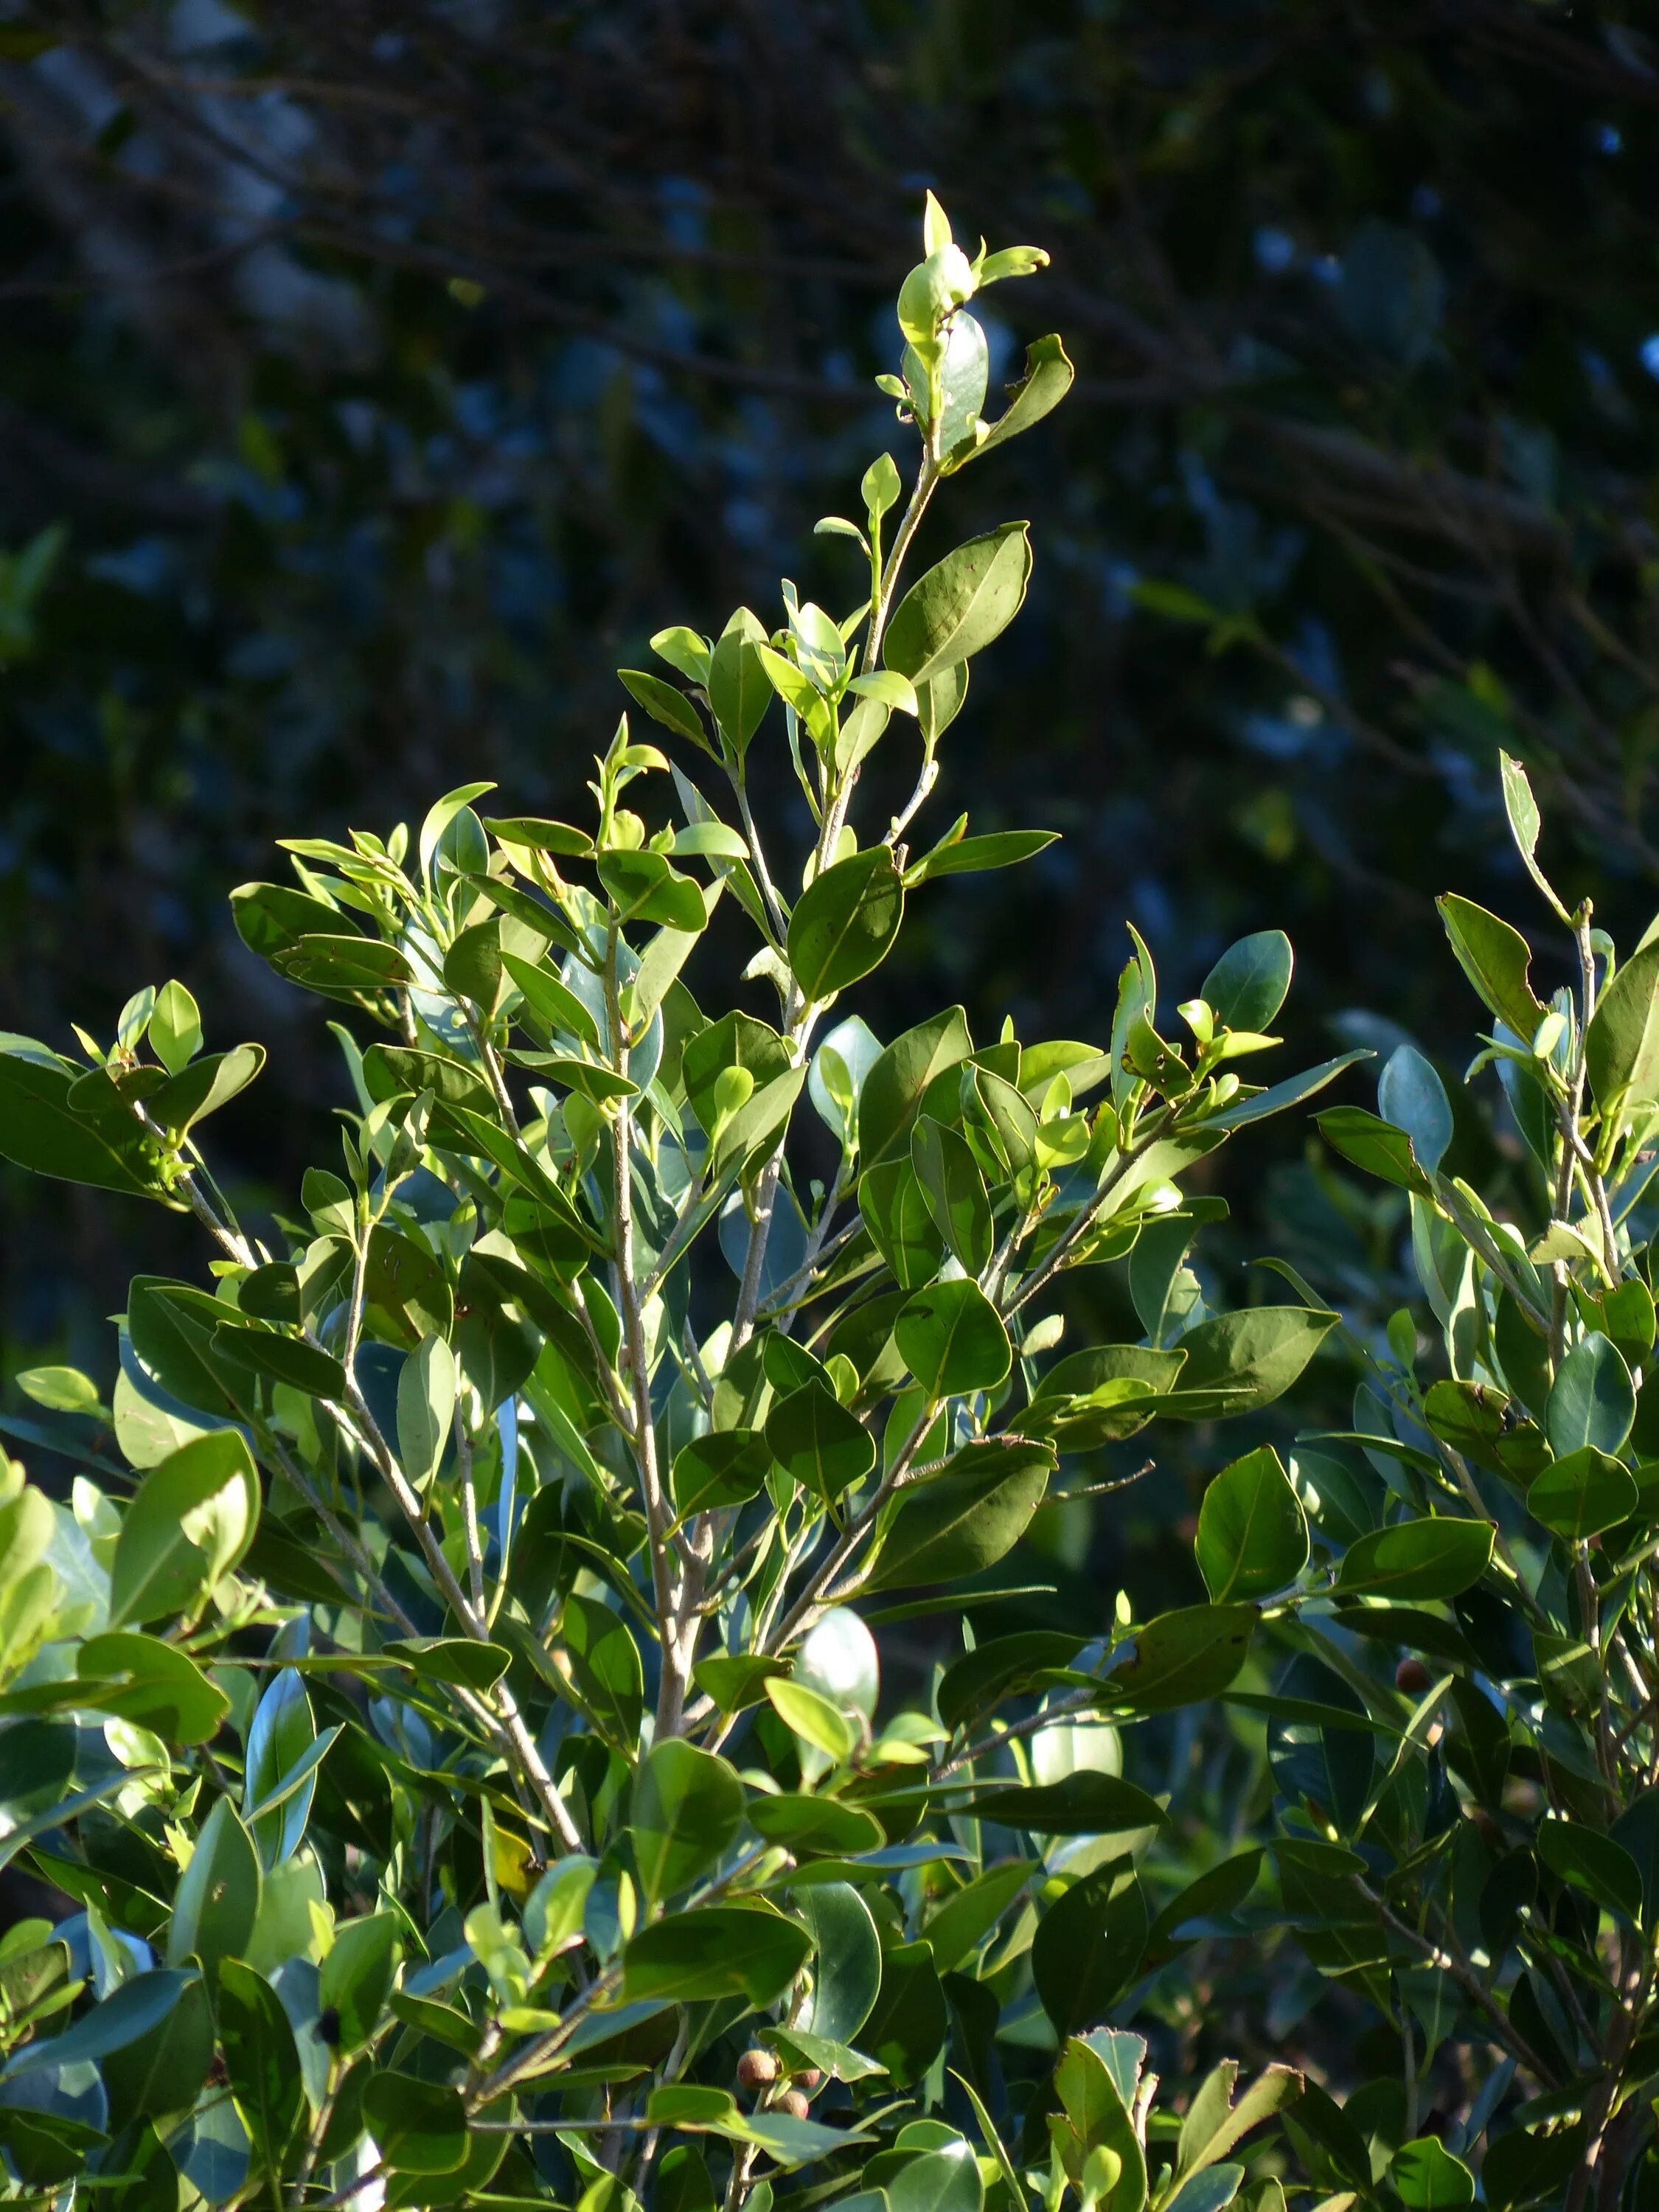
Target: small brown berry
1412	1676
1187	1527
794	2103
757	2070
808	2077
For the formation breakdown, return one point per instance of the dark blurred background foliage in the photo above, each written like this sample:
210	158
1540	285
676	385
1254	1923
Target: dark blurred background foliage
375	378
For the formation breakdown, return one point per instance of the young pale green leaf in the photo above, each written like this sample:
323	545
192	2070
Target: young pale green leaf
1047	381
739	689
175	1027
683	649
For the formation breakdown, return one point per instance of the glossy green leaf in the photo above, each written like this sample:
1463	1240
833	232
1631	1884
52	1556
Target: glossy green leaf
846	1965
1418	1559
845	922
687	1807
420	2125
716	1951
1593	1400
1252	1534
953	1340
1182	1656
965	1518
1496	959
958	607
217	1900
1582	1494
818	1442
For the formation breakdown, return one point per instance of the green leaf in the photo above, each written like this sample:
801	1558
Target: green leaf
1592	1401
1525	825
1182	1657
816	1827
175	1027
38	1131
426	1408
1086	1802
666	705
191	1522
604	1665
261	2063
217	1900
1252	1534
1000	849
1595	1863
715	1951
303	1367
1087	1947
687	1807
892	1092
1428	2179
846	1977
1237	1363
279	1779
131	2012
726	1467
60	1389
845	922
420	2126
807	1713
1214	2123
1582	1494
953	1341
954	1191
356	1975
958	608
647	889
1496	959
139	1678
965	1518
900	1221
1249	983
460	1662
816	1440
1621	1045
1426	1558
1006	1667
1047	381
27	1526
738	689
906	2030
1375	1145
937	2181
